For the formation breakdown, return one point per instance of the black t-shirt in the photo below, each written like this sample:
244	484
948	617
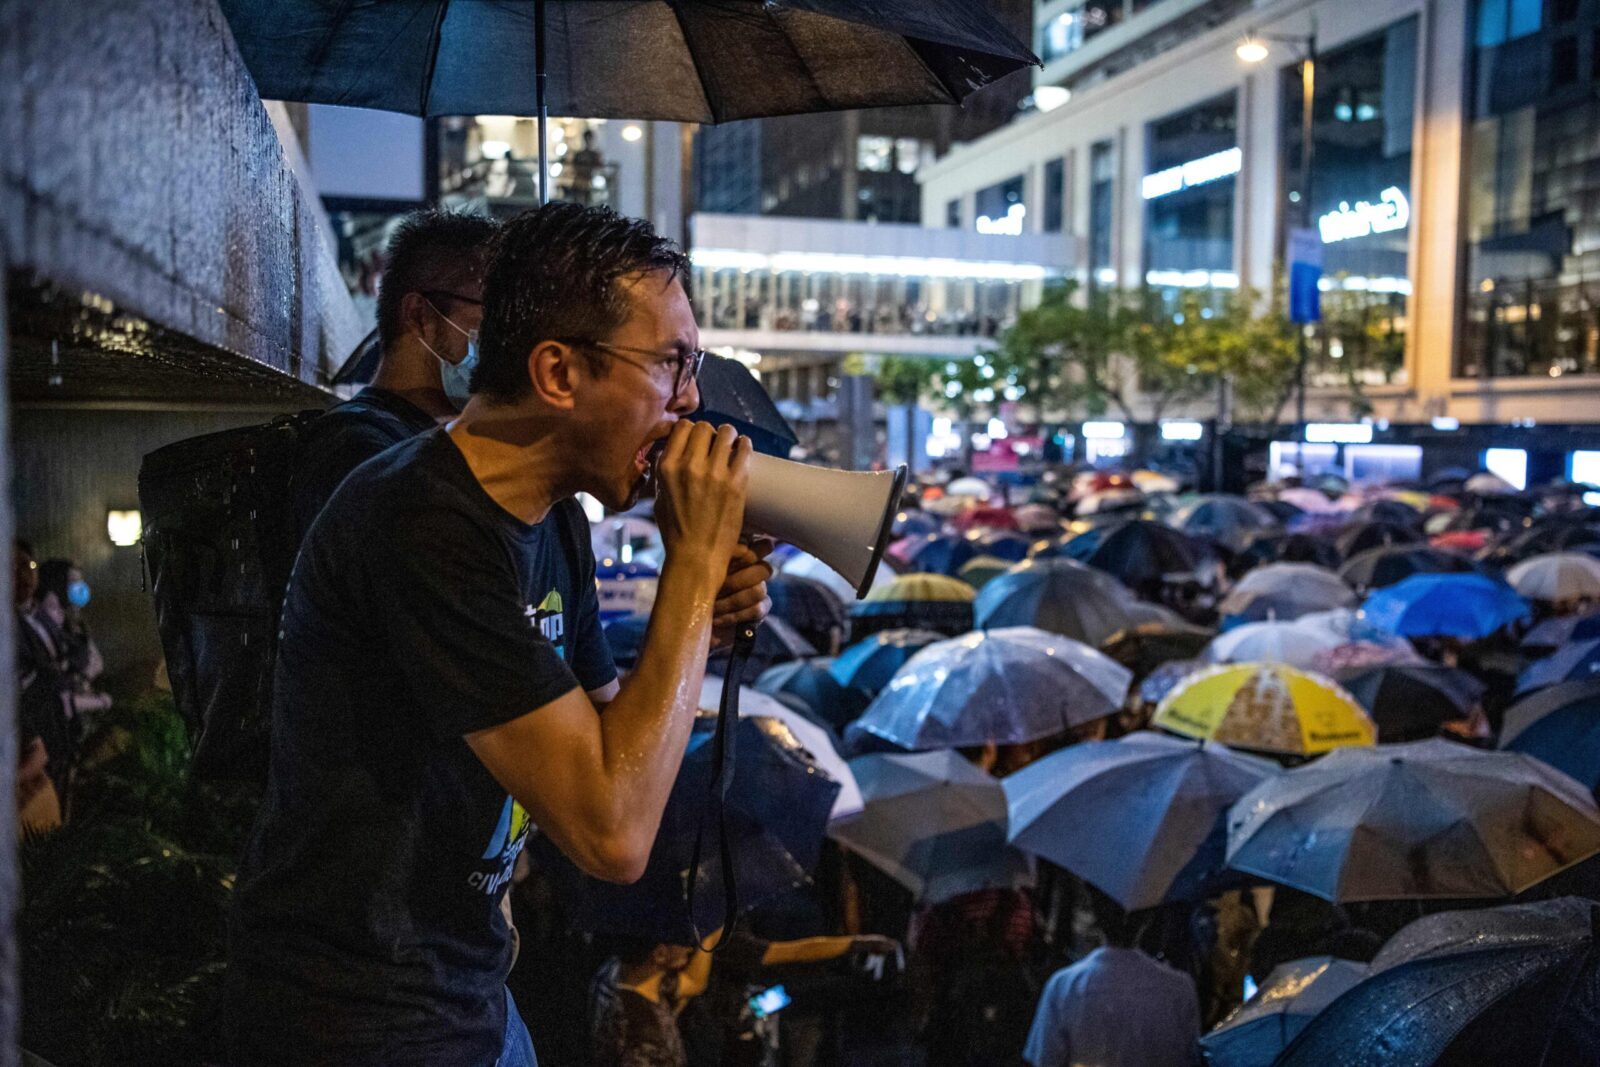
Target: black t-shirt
367	925
343	438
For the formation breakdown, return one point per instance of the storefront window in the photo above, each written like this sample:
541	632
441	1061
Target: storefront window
1532	220
1363	113
1192	161
1000	207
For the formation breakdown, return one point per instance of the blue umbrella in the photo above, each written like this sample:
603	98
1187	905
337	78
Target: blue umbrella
868	664
1569	663
1140	554
1228	520
1143	818
1059	595
1512	985
1466	606
777	808
1290	997
811	682
1003	686
1008	545
909	522
1561	726
940	553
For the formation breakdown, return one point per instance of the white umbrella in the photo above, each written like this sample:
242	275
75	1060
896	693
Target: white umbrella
1557	576
1272	642
976	488
813	738
1487	484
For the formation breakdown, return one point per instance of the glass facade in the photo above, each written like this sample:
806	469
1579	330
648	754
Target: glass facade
1191	163
1363	115
1055	186
1102	213
999	208
1532	214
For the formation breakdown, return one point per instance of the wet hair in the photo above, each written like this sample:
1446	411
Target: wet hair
554	275
54	576
431	250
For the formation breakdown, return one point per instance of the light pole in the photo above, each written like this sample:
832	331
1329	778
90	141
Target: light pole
1253	49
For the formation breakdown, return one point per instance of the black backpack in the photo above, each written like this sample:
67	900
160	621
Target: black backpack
219	543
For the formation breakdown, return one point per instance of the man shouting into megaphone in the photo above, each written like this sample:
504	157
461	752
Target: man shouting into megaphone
442	677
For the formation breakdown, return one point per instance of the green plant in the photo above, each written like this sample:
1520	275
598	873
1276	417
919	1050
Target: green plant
122	928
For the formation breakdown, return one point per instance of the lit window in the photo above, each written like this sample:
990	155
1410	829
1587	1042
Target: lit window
874	154
907	155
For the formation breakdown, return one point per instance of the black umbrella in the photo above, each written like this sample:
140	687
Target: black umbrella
777	810
776	642
1361	536
684	61
1062	596
1411	701
810	683
730	394
1564	629
1560	725
1142	555
1558	534
1512	985
1147	646
1390	511
1281	510
814	611
1274	547
1377	568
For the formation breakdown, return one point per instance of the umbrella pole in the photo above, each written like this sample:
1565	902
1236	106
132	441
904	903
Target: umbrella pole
540	105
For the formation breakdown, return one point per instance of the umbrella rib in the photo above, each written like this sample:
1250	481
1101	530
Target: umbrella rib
694	60
435	41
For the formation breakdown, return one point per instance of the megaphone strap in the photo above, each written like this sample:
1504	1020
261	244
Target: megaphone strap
723	757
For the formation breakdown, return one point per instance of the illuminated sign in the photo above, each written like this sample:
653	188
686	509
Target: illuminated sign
1009	224
1103	431
1339	433
1391	212
1182	430
1210	168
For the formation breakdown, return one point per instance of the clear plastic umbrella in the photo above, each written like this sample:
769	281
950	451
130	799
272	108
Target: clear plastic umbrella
1292	995
1419	820
1004	686
1557	576
1272	642
1143	817
1286	591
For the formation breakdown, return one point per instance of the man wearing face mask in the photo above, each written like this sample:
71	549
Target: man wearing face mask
429	305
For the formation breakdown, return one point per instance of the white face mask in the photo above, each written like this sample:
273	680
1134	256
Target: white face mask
456	378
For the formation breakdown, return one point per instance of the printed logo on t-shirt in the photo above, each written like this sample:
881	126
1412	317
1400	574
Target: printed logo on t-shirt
504	845
550	620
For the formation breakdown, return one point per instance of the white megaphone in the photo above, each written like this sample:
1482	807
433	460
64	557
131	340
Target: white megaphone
844	518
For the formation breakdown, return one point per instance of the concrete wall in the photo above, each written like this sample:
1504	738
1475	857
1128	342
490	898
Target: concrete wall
140	165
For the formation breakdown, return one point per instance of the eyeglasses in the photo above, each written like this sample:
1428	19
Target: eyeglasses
686	364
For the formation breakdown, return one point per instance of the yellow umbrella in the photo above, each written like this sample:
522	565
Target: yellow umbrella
917	601
920	587
1267	707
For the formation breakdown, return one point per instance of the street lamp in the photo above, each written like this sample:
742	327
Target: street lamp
1253	49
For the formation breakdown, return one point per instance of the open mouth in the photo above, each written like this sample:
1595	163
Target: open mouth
644	460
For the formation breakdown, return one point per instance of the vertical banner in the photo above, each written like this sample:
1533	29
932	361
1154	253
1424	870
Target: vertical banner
1305	271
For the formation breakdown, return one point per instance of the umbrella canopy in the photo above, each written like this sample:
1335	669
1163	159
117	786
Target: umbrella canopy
991	518
1486	484
1004	686
934	823
1311	501
1274	547
814	611
1377	568
1004	544
777	810
914	601
1392	511
868	664
936	553
776	642
1286	591
909	522
1227	520
820	745
1272	642
1411	701
811	682
805	565
730	394
1353	654
1362	536
1145	647
971	488
1140	554
1419	820
1289	998
1143	818
1517	984
1557	576
1563	629
1037	519
1560	725
701	62
979	571
1121	499
1059	595
1579	660
1266	707
1466	606
1154	687
1558	534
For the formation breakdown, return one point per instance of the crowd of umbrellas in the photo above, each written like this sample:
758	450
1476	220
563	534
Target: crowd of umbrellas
1390	694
